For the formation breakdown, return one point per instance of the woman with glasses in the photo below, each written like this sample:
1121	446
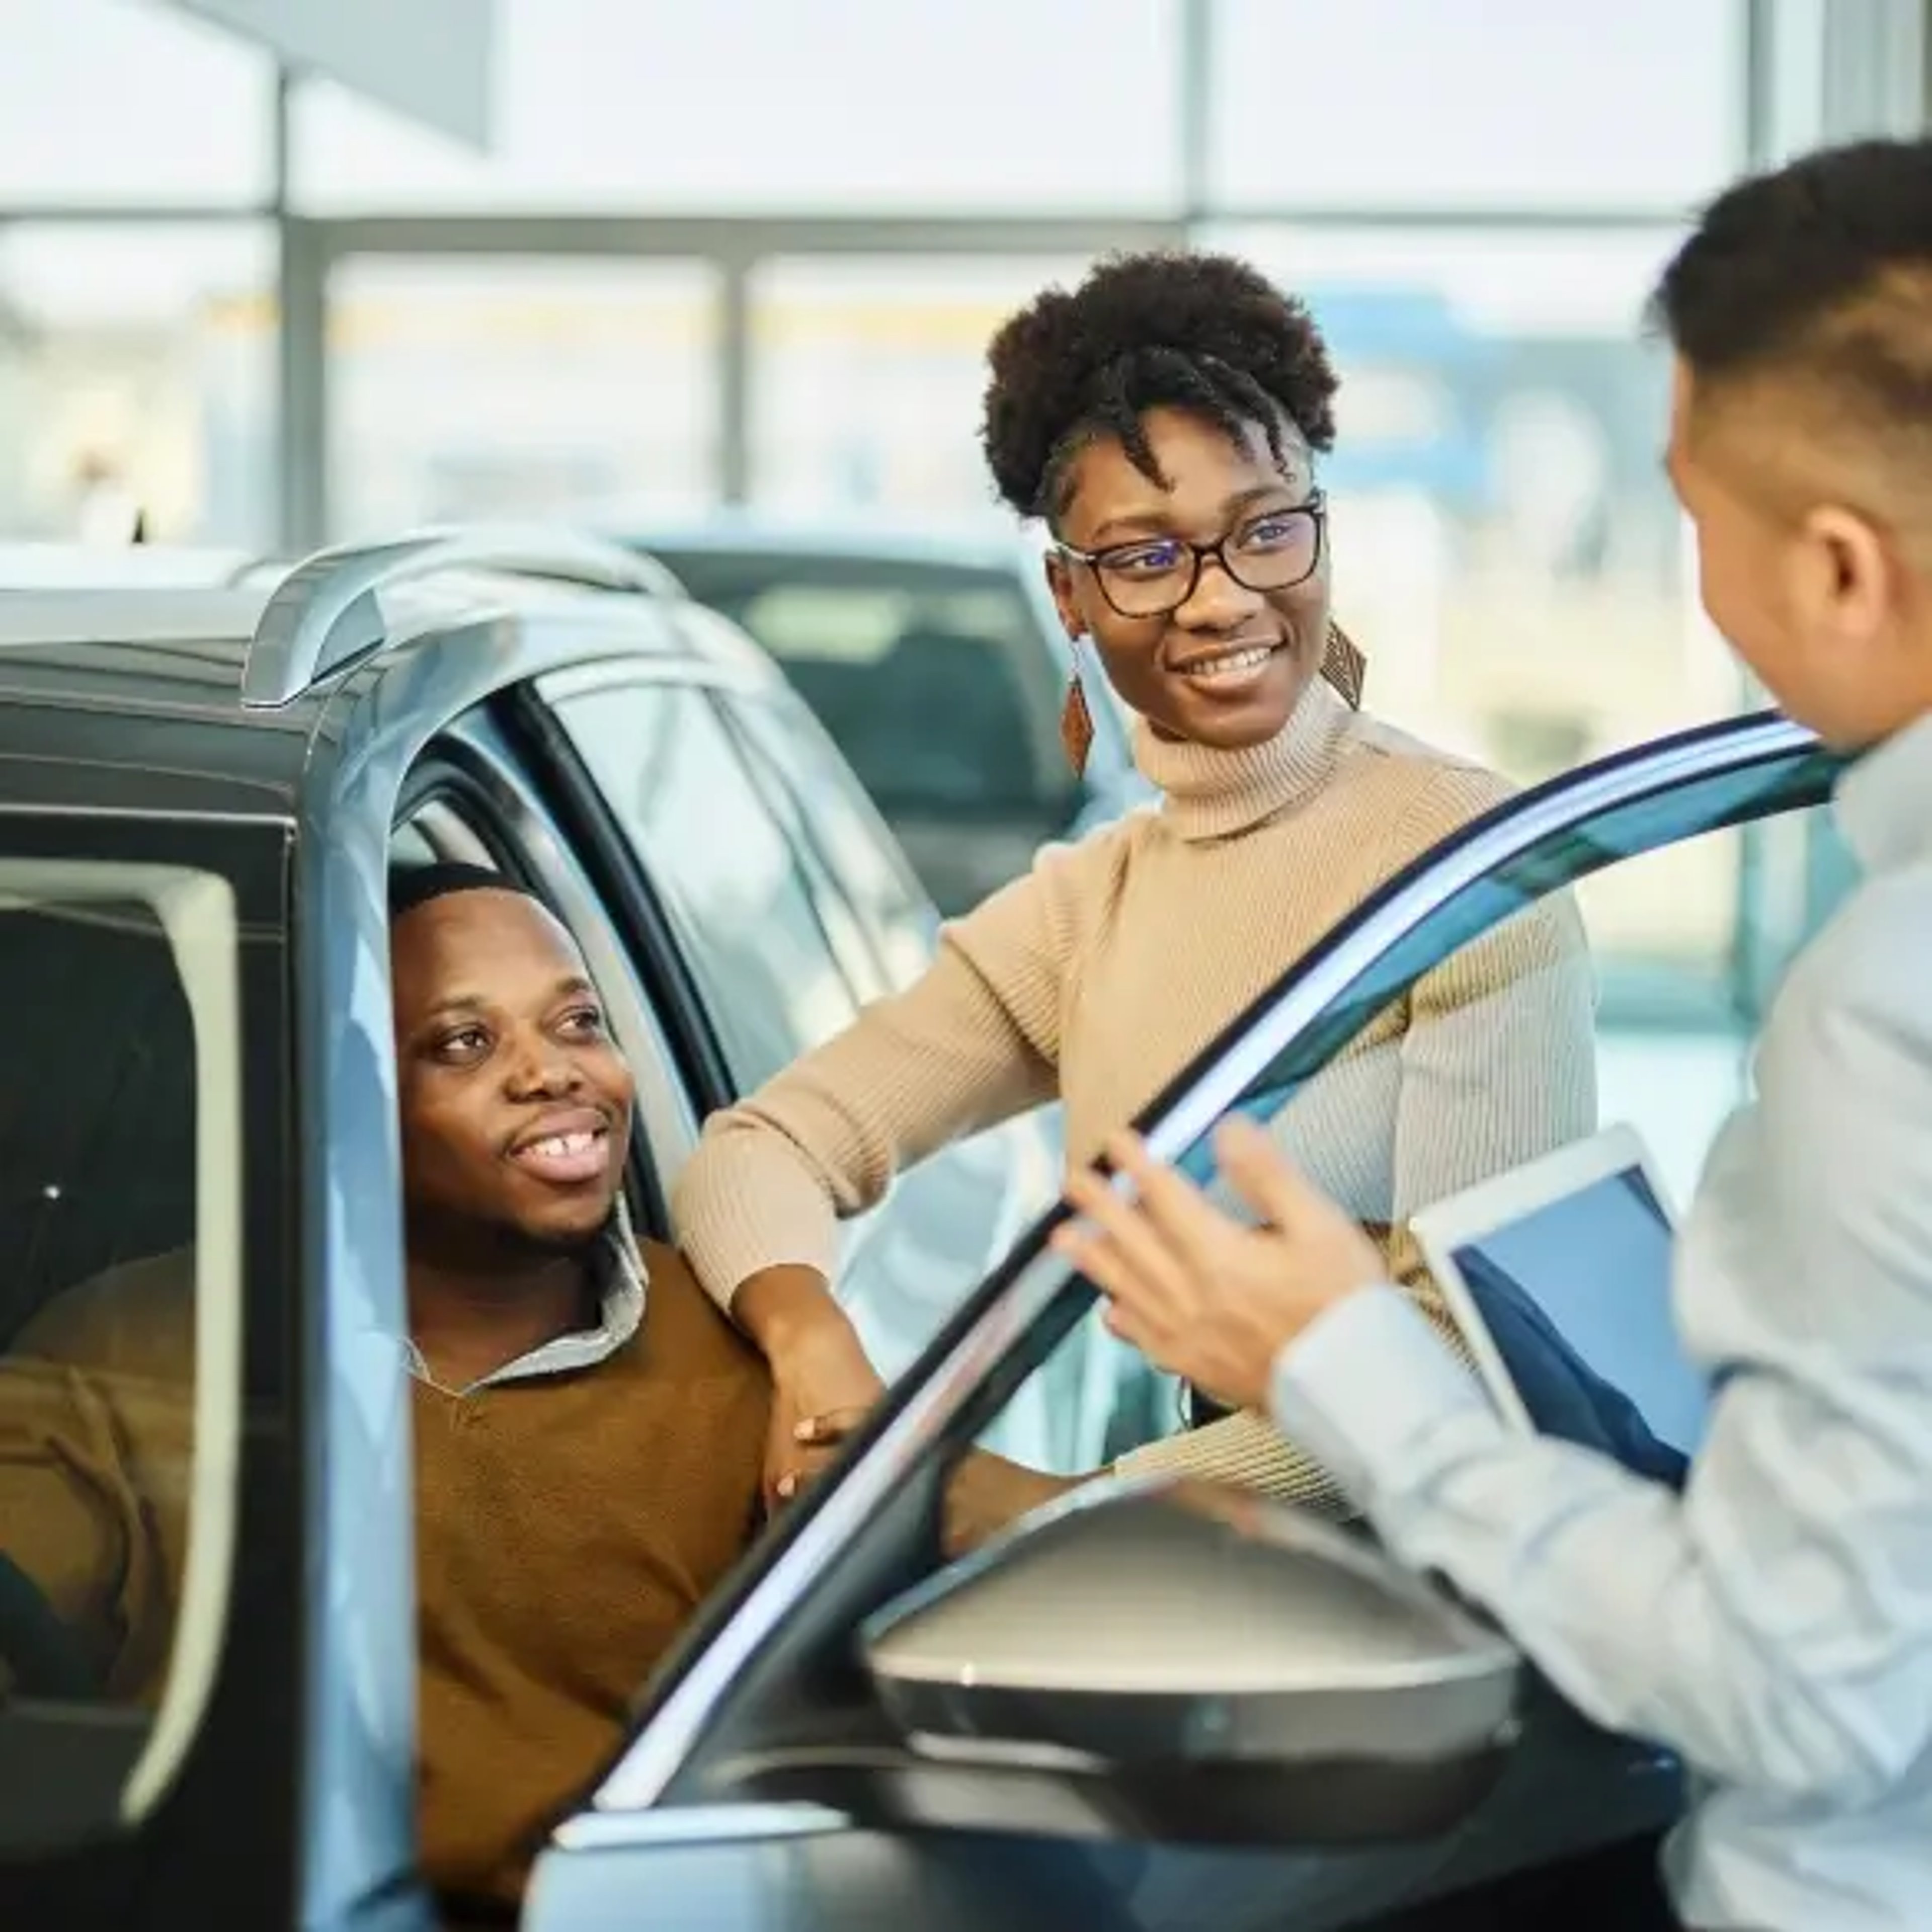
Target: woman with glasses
1163	420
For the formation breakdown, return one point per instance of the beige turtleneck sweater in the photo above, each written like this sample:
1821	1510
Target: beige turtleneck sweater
1095	977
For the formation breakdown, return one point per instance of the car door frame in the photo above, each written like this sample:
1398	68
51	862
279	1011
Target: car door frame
774	1641
354	1821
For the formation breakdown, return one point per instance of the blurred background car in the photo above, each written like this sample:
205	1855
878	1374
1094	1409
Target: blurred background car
935	660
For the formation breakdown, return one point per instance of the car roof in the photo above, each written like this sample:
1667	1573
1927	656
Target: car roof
156	640
51	619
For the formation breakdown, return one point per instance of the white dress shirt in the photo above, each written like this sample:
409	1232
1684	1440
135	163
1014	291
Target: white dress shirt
1773	1625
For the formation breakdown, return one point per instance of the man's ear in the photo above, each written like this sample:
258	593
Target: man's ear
1848	576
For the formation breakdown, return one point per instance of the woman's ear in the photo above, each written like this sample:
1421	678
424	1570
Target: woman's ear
1060	581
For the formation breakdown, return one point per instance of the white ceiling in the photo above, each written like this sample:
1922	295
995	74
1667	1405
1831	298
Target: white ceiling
429	59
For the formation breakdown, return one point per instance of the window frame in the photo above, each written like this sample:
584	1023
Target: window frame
536	739
470	772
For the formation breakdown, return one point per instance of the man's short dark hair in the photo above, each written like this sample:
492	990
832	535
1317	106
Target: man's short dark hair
1821	270
413	885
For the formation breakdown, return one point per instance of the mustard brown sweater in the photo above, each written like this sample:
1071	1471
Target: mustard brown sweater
1095	977
567	1527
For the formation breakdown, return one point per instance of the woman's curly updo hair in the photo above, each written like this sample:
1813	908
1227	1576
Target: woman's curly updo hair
1169	329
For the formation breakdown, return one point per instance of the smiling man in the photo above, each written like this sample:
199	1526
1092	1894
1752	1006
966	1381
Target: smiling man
589	1430
516	1116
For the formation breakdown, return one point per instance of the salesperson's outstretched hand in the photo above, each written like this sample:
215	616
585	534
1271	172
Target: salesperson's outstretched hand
1202	1294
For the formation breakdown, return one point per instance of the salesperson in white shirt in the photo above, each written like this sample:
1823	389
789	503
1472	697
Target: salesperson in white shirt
1773	1625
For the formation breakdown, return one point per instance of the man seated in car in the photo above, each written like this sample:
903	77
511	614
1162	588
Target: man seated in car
589	1430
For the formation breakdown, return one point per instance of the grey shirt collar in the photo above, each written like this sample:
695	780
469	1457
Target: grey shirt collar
622	1281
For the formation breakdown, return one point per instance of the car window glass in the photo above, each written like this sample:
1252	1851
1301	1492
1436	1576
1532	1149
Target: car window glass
818	796
119	1140
731	884
937	689
1488	1037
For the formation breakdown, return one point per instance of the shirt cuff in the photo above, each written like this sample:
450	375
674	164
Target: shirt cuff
1365	1385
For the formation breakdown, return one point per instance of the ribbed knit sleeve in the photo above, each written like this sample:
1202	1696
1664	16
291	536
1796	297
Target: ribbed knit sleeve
974	1041
1495	1065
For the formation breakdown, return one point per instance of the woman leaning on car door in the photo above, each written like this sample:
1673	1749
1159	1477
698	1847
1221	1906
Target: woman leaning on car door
1164	419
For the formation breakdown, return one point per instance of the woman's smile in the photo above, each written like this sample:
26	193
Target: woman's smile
1232	670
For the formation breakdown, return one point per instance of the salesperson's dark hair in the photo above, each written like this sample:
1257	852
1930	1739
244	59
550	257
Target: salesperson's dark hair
1820	272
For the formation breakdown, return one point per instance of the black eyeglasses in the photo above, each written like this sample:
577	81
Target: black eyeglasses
1154	578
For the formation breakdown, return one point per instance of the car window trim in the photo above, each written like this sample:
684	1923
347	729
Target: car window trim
1207	1089
149	815
971	1362
214	997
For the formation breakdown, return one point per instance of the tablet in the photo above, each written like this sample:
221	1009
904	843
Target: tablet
1559	1275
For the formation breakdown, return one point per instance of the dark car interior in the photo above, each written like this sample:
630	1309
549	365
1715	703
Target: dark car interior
934	680
98	1161
97	1117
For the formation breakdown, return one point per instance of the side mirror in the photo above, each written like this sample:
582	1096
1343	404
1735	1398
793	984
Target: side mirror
1216	1666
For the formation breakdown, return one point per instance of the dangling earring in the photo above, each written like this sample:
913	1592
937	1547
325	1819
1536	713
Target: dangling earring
1344	666
1076	721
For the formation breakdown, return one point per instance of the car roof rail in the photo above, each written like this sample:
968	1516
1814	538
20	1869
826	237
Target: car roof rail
323	614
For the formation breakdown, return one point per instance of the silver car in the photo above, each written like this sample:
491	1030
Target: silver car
1156	1708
